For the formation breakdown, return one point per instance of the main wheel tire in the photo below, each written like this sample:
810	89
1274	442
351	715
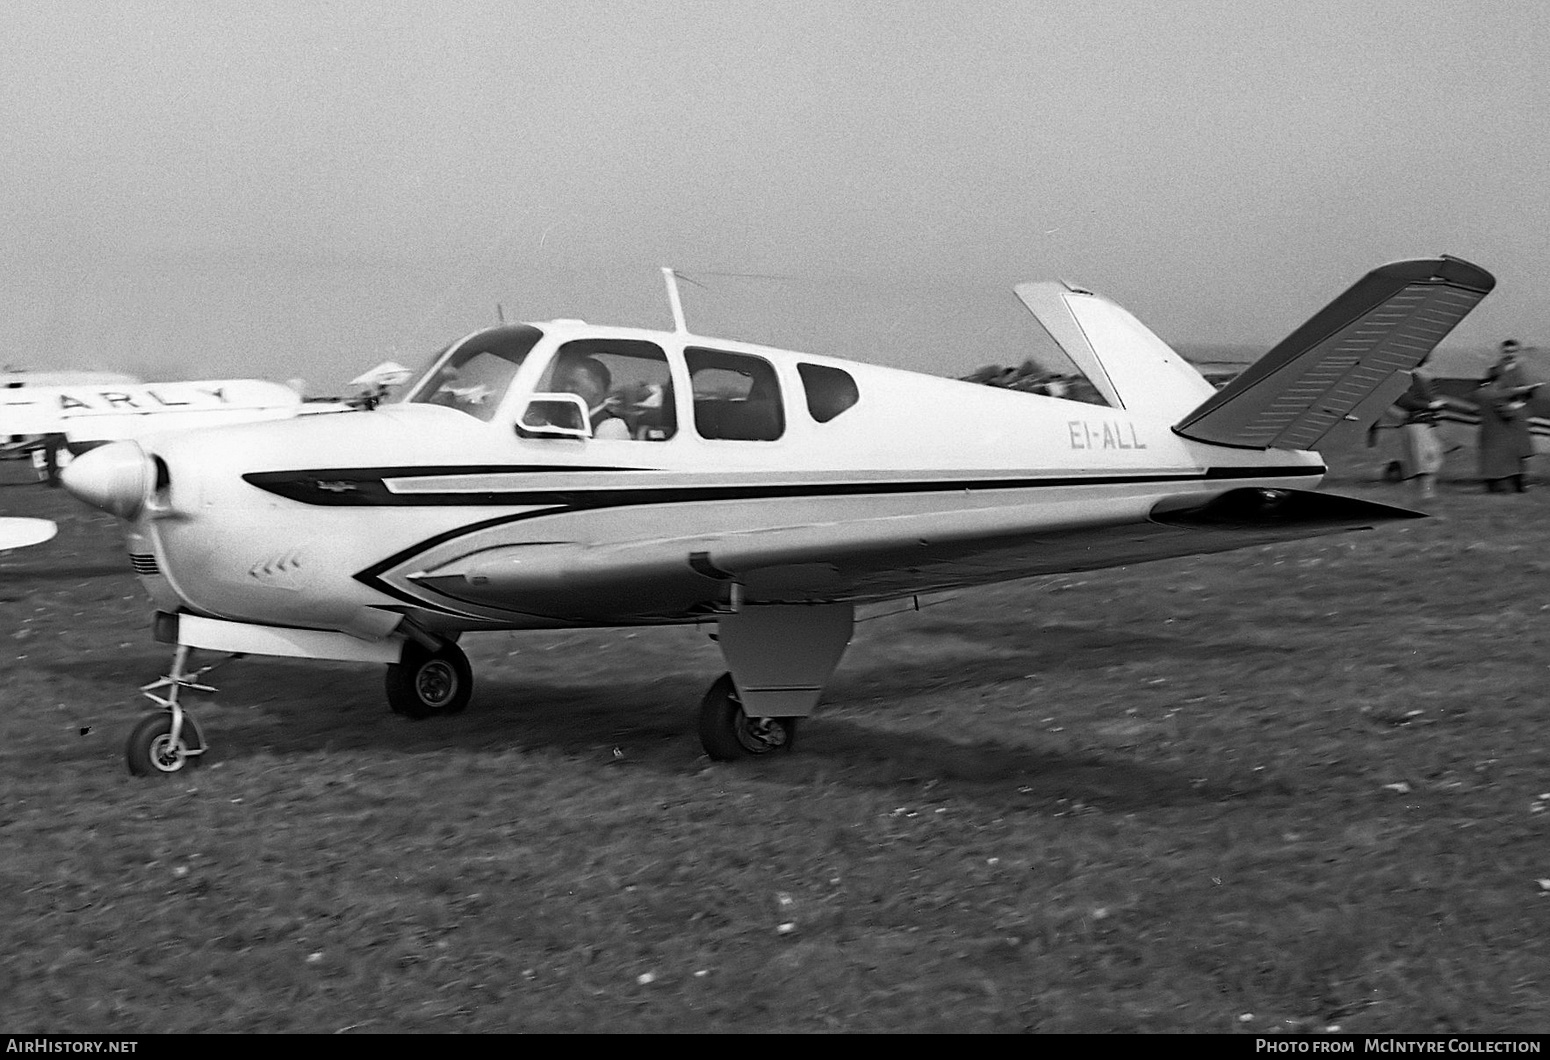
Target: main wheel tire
151	752
428	683
728	734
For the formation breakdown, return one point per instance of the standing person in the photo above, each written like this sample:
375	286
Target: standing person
1422	448
1505	441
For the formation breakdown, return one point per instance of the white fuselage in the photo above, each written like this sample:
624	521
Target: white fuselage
351	521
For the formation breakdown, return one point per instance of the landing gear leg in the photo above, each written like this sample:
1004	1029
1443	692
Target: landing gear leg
168	740
780	657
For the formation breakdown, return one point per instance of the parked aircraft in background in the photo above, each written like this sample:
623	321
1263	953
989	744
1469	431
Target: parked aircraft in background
12	378
60	420
373	387
564	474
1455	376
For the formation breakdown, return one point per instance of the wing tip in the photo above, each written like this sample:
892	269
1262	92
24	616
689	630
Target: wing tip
1444	268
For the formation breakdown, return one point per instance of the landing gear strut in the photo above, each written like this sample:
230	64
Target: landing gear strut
727	733
168	741
779	656
426	683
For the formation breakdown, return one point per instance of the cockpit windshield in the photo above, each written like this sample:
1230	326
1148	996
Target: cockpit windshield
472	374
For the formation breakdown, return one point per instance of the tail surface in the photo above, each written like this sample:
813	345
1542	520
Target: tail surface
1129	365
1318	377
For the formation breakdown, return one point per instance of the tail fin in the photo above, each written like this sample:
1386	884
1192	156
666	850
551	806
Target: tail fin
1130	366
1316	378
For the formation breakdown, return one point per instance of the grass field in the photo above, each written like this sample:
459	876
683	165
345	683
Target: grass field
1289	788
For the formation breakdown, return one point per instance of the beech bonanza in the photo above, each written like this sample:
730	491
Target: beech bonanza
562	474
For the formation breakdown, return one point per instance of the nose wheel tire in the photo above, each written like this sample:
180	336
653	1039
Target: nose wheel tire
151	751
728	734
429	683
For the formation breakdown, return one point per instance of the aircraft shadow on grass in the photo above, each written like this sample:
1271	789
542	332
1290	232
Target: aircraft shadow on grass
272	708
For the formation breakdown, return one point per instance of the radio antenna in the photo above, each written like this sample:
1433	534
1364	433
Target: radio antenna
673	300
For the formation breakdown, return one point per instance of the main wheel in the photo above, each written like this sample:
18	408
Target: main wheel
728	734
426	683
151	751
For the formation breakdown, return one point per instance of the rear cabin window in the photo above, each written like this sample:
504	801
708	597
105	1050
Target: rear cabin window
830	391
626	384
736	397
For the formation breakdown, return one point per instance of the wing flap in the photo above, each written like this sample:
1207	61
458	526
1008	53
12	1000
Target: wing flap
1316	378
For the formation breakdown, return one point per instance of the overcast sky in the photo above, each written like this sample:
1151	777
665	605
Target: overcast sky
283	188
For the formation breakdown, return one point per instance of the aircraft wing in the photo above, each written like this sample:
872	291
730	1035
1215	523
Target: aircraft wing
26	413
19	532
876	559
1316	378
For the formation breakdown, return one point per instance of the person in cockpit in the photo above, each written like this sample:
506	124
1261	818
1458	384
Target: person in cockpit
590	380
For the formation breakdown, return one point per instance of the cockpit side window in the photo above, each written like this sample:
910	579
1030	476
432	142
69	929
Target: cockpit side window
736	397
626	384
473	375
830	391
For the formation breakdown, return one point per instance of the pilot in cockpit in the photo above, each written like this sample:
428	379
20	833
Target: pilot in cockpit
589	379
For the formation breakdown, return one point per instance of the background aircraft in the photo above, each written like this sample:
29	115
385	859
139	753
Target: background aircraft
1455	375
563	474
57	421
14	379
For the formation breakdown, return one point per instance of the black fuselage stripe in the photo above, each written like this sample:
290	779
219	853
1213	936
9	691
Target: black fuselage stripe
367	488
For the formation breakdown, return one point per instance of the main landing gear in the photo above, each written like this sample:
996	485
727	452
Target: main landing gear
427	683
727	733
779	656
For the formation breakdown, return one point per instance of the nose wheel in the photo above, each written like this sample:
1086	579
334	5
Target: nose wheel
168	741
154	748
727	733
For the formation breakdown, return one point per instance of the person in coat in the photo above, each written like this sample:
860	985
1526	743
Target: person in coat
1505	441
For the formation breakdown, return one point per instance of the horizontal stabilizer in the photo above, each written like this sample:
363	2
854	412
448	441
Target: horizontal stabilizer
1316	378
1280	514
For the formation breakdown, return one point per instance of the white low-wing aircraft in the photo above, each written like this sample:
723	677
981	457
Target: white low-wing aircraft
561	474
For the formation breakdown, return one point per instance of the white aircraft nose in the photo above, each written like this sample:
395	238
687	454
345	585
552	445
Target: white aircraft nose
115	477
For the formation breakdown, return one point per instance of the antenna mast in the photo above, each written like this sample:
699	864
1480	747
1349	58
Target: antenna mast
671	278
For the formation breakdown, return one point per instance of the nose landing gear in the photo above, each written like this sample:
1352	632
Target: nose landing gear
168	741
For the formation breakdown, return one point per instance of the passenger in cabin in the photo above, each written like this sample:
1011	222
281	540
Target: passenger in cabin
1505	439
590	380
